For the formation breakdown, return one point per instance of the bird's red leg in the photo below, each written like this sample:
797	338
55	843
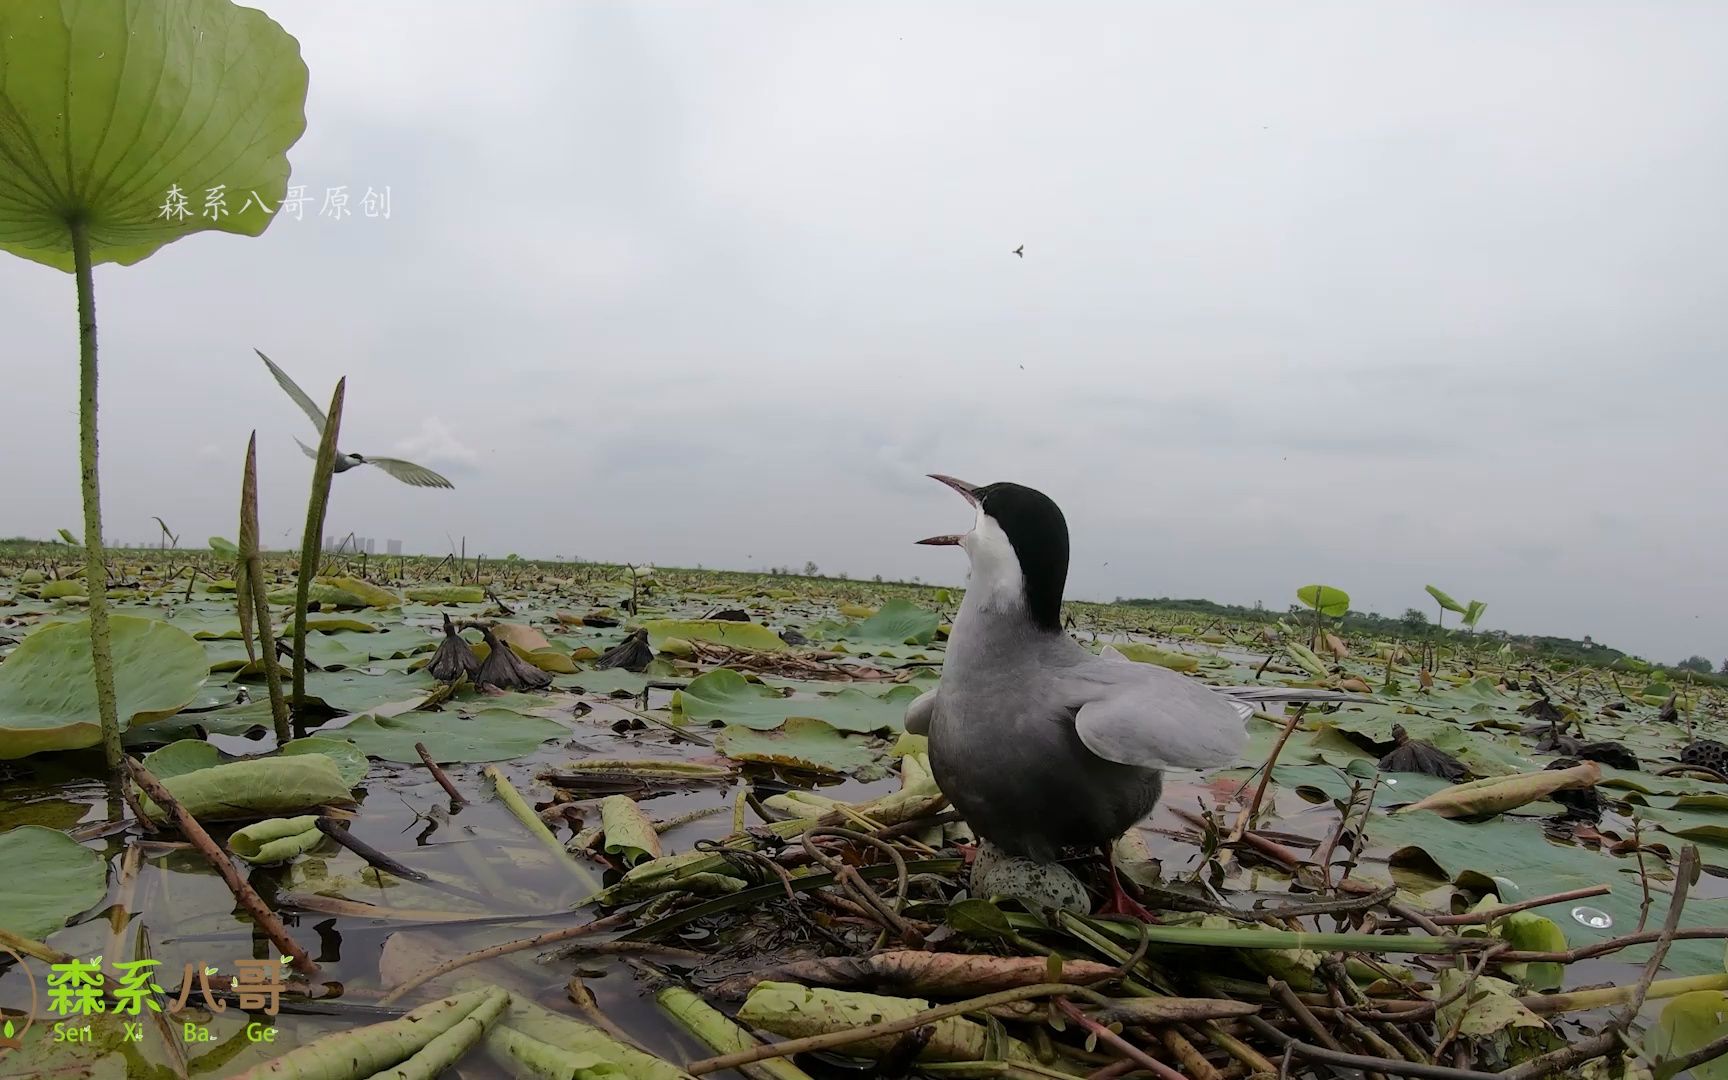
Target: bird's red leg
1120	903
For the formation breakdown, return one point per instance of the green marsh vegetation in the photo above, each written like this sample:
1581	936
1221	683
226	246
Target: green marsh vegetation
763	712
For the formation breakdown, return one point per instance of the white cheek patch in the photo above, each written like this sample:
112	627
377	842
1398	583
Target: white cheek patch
995	580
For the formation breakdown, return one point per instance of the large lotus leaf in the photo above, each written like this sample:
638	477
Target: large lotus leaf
258	787
350	762
352	690
190	755
49	878
1343	737
873	688
901	622
448	594
1473	613
106	107
524	637
1318	783
1646	784
213	631
742	635
334	624
489	735
48	692
723	696
334	652
329	653
1687	1023
371	594
802	743
1443	600
233	720
1141	653
1424	845
1325	599
180	758
321	593
616	679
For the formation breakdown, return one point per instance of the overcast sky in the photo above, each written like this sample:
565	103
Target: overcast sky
1372	295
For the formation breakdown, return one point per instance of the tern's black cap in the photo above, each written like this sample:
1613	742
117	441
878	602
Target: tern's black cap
1039	533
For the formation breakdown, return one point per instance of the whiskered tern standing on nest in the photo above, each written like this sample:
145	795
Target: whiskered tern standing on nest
1042	745
405	471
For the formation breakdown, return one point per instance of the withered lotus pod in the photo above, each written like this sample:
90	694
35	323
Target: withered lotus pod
1414	755
505	670
1543	709
1609	753
454	658
631	654
1708	753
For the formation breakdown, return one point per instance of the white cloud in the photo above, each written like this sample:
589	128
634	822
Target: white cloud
435	444
1260	312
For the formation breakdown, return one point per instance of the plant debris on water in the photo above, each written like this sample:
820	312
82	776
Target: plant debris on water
669	843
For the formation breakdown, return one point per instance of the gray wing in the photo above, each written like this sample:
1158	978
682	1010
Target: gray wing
1156	718
920	712
311	453
306	404
410	473
1164	718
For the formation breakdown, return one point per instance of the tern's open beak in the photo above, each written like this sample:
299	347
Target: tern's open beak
967	491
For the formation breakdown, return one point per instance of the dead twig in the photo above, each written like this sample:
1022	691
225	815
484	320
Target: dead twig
550	938
1324	1056
1613	945
439	774
1118	1043
334	830
248	899
1471	918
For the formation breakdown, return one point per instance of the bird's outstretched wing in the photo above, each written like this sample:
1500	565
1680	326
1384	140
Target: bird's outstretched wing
307	404
311	453
410	473
920	712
